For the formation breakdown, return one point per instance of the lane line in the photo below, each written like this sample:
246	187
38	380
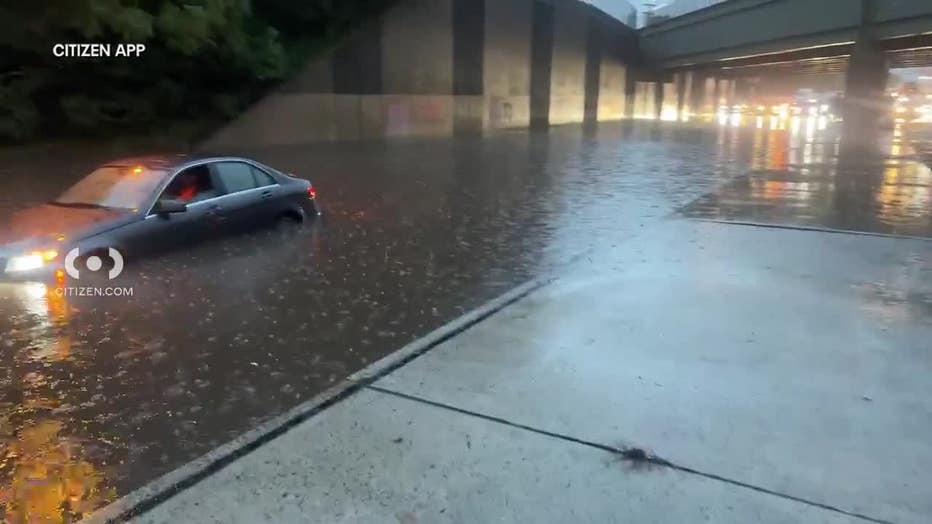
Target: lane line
163	488
632	454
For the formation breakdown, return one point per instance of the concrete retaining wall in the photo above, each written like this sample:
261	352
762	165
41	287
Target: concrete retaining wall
568	64
507	74
438	67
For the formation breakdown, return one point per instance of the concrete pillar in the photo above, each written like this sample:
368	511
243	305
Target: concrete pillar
468	66
630	92
696	93
741	91
716	94
507	63
611	98
691	110
593	71
865	83
729	91
541	63
658	99
750	89
679	80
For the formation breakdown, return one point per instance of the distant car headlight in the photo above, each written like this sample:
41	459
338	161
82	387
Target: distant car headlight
30	262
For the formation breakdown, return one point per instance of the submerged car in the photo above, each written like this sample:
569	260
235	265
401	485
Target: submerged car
142	205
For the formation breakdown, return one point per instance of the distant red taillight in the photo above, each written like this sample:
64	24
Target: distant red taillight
311	192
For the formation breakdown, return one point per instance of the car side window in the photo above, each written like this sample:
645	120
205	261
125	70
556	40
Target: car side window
191	185
235	176
263	179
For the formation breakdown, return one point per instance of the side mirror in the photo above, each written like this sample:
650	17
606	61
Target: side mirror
168	207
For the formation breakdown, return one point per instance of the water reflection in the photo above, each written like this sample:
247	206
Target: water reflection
816	174
47	477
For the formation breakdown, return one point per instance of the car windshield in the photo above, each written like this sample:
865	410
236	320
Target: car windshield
124	187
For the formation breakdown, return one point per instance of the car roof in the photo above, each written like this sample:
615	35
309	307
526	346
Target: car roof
171	162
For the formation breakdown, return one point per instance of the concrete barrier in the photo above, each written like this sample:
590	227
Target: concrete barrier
438	67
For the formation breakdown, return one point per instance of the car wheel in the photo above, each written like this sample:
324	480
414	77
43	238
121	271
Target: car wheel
289	221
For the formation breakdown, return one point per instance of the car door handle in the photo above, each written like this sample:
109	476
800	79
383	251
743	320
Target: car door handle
267	193
216	212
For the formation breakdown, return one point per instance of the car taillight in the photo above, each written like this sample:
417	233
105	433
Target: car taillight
311	192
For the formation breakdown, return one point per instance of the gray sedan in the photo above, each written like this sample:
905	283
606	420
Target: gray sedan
137	206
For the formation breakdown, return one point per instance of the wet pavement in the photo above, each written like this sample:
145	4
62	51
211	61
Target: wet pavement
100	395
792	361
809	181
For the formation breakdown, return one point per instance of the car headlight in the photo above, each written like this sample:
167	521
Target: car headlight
30	262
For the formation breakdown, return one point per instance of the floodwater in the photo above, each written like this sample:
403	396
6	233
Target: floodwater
99	395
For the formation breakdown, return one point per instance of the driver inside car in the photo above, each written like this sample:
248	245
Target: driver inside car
187	187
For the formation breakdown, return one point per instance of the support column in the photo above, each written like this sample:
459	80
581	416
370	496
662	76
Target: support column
751	89
630	92
468	65
741	91
865	83
729	93
717	94
593	71
541	63
679	80
658	99
697	93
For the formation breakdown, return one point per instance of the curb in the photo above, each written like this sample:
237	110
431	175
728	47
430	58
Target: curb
163	488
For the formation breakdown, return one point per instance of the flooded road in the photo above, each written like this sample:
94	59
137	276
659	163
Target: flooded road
100	395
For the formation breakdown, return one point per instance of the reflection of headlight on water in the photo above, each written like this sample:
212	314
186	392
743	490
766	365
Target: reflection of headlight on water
34	290
32	297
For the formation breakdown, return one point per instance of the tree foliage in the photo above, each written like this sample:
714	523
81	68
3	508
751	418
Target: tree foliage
204	59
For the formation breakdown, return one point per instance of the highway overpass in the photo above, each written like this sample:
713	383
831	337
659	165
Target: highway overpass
441	67
762	31
715	55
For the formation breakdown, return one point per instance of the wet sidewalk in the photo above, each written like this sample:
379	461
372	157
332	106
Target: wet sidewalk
704	372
